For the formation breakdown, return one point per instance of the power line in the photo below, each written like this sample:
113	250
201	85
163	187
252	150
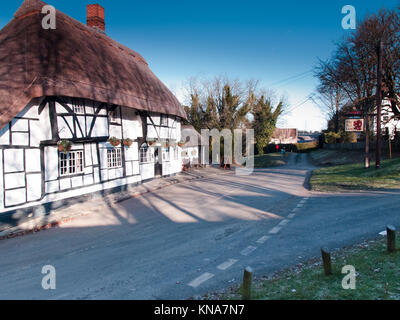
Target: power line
299	104
294	80
291	78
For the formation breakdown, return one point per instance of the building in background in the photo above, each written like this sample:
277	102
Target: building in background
284	136
390	120
194	149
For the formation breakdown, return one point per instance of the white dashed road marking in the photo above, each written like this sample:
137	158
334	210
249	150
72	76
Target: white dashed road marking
199	280
230	262
248	250
263	239
227	264
283	222
275	230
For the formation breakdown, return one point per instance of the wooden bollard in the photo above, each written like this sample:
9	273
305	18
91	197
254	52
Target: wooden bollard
326	260
391	238
246	286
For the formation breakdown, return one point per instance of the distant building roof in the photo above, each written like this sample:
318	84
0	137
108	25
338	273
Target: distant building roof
284	135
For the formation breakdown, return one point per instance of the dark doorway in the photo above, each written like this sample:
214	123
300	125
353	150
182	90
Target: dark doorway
158	162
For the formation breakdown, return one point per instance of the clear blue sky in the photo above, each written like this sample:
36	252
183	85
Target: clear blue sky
259	39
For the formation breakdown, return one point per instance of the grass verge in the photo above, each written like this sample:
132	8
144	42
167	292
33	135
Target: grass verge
269	160
356	177
376	277
307	147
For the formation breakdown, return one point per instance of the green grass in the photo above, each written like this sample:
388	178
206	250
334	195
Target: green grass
307	147
377	277
356	177
269	160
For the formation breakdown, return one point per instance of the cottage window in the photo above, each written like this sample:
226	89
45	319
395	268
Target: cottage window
164	120
144	153
78	107
71	163
165	154
114	159
113	116
176	153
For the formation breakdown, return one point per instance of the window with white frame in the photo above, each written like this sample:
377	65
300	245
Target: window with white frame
71	163
114	159
176	153
113	116
165	154
163	120
144	153
78	106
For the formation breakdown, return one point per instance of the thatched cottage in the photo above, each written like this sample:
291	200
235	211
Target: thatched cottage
79	112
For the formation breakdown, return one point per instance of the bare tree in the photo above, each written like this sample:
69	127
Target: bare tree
330	99
352	69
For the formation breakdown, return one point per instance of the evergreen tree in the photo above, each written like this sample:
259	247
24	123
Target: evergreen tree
194	112
210	117
264	121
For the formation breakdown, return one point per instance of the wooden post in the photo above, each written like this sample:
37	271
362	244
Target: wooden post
246	286
391	238
326	260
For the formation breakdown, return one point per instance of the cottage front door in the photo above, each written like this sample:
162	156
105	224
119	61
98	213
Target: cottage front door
158	162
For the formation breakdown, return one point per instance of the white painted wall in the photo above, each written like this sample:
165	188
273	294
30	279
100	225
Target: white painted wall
23	179
131	124
147	171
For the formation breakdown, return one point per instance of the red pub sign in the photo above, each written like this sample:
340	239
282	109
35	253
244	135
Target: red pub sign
354	125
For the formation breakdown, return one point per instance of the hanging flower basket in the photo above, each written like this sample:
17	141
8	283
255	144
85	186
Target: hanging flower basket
64	146
151	142
180	144
114	141
127	142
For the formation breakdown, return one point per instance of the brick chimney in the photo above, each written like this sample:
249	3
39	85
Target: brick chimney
95	16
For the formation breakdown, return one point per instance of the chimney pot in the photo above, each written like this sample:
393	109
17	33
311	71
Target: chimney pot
95	16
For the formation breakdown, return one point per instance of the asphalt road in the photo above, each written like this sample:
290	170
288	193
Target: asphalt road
193	238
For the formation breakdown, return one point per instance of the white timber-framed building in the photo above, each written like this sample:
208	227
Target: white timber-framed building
76	84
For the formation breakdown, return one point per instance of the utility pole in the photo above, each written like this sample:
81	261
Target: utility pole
366	140
337	109
379	106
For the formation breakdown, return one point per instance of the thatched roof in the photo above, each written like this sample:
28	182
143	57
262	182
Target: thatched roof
73	60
